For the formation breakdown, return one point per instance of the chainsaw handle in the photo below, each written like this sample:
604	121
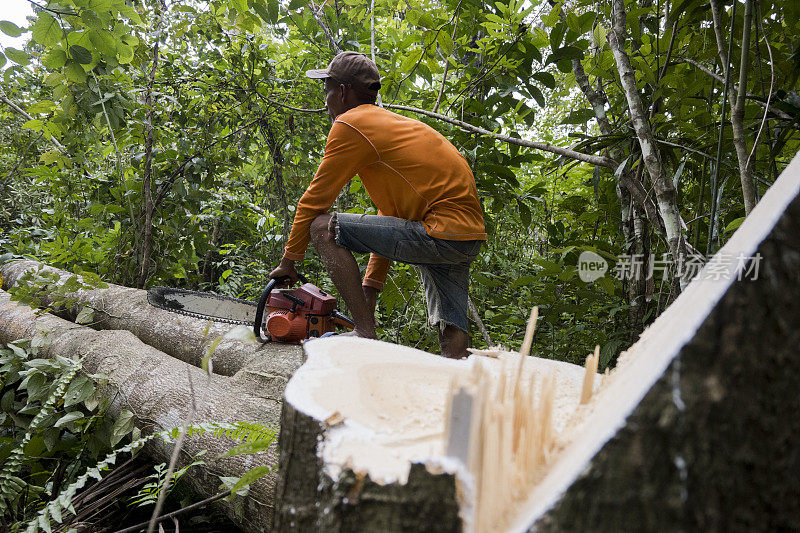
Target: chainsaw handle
262	303
341	320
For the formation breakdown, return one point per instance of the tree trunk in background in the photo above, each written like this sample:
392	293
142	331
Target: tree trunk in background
737	100
635	228
155	387
664	189
208	269
277	173
147	180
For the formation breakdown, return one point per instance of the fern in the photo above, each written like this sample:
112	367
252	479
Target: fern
237	431
258	437
11	485
64	500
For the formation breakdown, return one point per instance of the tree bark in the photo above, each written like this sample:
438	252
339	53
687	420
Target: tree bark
155	387
185	338
665	191
208	268
310	500
737	100
147	191
634	225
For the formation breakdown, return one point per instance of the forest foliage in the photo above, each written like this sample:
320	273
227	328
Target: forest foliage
167	142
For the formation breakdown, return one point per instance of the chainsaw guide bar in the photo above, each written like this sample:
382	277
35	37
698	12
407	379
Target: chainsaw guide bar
205	305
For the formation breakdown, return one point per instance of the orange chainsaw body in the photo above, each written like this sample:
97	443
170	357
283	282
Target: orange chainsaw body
293	315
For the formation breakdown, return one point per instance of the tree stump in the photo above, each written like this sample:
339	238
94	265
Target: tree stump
696	429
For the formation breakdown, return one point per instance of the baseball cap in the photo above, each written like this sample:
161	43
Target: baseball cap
351	68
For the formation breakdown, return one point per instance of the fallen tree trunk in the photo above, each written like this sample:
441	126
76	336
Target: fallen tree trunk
696	428
183	337
155	387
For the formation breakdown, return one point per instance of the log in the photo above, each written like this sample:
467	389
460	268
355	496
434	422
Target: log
696	428
183	337
155	387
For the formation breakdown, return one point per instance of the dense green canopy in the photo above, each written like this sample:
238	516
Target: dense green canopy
163	142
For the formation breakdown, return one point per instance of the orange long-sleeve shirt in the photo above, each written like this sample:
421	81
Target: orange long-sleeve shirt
409	170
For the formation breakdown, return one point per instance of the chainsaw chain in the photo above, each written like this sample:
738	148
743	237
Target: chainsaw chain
157	304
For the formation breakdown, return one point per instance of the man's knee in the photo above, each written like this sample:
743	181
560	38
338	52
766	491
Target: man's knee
320	229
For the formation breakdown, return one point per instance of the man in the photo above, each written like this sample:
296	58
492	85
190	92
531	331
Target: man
428	209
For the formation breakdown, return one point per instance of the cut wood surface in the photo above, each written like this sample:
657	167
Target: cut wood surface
155	387
183	337
363	436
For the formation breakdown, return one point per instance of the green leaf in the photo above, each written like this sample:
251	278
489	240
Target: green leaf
130	13
261	10
677	177
206	363
621	168
91	19
251	476
124	53
80	54
94	5
579	116
546	79
18	56
537	95
2	60
607	284
445	43
734	224
502	172
122	427
67	418
249	447
297	4
36	385
104	42
75	73
55	59
85	316
10	29
46	30
79	390
524	213
34	125
273	9
410	60
599	36
556	35
566	53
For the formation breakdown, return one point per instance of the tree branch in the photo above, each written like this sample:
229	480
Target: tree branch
15	107
702	68
558	150
322	24
447	62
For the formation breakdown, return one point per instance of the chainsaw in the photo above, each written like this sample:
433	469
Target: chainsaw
282	315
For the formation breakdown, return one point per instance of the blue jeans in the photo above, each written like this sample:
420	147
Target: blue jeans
443	264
